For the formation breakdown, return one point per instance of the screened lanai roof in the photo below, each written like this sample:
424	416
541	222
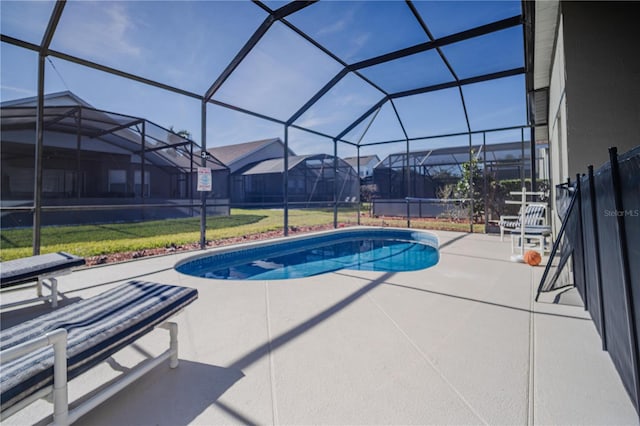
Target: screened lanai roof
500	152
106	132
276	165
361	72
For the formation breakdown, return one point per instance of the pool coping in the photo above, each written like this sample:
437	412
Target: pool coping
426	237
272	241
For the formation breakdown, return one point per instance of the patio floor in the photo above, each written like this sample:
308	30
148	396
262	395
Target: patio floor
459	343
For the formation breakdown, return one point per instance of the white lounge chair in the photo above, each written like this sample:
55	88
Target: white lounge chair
39	356
32	271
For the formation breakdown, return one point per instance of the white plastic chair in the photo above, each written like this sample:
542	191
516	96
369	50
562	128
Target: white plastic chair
535	215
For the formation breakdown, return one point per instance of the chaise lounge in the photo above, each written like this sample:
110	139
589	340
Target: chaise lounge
39	356
19	273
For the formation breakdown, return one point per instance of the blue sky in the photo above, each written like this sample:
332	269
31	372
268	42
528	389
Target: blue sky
188	44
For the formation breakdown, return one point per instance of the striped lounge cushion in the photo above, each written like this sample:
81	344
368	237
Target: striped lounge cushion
533	230
19	271
97	328
534	215
506	223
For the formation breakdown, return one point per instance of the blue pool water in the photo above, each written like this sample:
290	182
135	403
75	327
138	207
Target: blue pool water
378	251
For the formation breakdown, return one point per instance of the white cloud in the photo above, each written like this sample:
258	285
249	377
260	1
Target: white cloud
343	28
100	30
347	18
357	43
312	120
19	90
336	27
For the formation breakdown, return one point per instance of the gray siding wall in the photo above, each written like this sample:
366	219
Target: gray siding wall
601	47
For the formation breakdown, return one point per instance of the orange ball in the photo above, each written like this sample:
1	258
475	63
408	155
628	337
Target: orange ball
532	258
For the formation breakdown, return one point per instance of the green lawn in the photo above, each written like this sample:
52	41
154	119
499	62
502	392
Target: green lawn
94	240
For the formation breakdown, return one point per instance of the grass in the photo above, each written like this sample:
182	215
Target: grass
94	240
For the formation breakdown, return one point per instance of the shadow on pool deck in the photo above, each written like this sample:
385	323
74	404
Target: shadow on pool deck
453	240
181	395
306	326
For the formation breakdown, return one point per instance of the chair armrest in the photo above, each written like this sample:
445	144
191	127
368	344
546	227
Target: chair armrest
508	221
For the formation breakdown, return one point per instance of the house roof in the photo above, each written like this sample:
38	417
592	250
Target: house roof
65	98
364	160
275	165
230	154
546	21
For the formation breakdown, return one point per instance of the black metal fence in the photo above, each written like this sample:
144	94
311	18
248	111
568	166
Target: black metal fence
600	234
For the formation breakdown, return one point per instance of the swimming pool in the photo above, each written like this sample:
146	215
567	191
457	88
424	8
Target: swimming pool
362	248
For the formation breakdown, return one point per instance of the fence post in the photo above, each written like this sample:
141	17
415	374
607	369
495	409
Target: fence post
626	273
285	183
596	239
581	230
203	197
335	183
484	181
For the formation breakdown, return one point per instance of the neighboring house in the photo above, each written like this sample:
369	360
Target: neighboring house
240	157
310	178
367	164
90	156
257	173
65	98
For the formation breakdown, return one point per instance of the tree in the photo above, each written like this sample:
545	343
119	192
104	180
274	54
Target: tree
367	194
471	186
183	133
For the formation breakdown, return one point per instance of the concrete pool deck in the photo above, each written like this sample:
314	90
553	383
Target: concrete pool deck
459	343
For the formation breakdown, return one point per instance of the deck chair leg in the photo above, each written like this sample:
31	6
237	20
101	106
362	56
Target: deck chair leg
542	244
54	292
173	342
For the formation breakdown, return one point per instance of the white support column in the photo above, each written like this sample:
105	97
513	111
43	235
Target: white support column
54	292
173	342
58	339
